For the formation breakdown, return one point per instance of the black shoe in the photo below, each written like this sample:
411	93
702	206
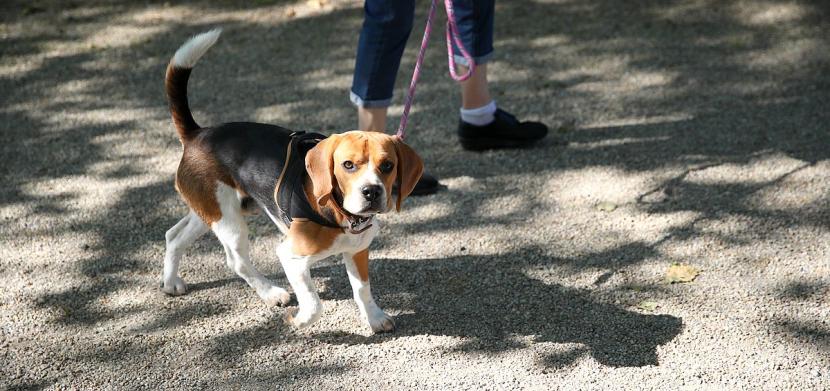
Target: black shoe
427	185
504	132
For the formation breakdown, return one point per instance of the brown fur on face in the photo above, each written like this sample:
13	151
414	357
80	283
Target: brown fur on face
324	164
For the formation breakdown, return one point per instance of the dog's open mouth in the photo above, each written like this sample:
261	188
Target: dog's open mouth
358	224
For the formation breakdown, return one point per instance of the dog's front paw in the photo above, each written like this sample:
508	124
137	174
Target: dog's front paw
276	296
380	322
301	319
174	286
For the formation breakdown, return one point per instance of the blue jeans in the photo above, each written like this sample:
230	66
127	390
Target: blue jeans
386	28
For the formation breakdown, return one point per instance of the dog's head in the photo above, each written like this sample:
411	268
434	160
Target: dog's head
358	169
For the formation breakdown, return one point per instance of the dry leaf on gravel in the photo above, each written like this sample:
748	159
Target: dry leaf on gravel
681	272
648	305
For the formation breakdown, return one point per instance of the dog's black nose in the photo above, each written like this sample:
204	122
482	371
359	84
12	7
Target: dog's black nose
370	192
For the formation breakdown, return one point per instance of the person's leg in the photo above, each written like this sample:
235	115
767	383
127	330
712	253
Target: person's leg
386	28
371	119
483	125
475	91
474	19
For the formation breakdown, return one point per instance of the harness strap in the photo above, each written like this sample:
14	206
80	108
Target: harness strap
292	202
290	197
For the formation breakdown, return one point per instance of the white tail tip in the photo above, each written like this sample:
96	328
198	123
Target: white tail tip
192	50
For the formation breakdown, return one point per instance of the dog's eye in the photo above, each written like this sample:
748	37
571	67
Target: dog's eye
348	165
386	166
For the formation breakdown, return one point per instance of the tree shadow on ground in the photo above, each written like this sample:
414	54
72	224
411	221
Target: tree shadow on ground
121	233
493	304
801	327
811	333
801	290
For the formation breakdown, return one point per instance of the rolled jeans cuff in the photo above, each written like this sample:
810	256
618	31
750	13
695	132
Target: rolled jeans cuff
480	60
360	102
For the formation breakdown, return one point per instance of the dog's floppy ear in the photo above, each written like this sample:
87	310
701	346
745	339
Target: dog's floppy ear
319	162
410	168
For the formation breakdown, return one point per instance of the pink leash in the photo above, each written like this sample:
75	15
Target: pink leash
452	35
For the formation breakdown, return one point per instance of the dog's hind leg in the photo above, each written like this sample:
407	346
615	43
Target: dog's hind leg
179	238
232	231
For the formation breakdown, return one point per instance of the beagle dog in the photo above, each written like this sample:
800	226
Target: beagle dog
322	192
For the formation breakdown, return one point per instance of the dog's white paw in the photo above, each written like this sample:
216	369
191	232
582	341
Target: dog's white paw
276	296
174	286
380	322
301	319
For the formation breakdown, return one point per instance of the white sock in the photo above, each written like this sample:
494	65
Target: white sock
479	116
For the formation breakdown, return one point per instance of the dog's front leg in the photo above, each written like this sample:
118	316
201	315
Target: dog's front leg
357	266
297	270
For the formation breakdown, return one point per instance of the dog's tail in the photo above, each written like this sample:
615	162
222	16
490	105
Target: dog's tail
175	82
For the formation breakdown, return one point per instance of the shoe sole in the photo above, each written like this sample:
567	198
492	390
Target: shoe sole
484	143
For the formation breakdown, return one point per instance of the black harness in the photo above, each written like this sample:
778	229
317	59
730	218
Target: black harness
292	203
268	162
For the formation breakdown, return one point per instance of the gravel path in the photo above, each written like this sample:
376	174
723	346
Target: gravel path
686	131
